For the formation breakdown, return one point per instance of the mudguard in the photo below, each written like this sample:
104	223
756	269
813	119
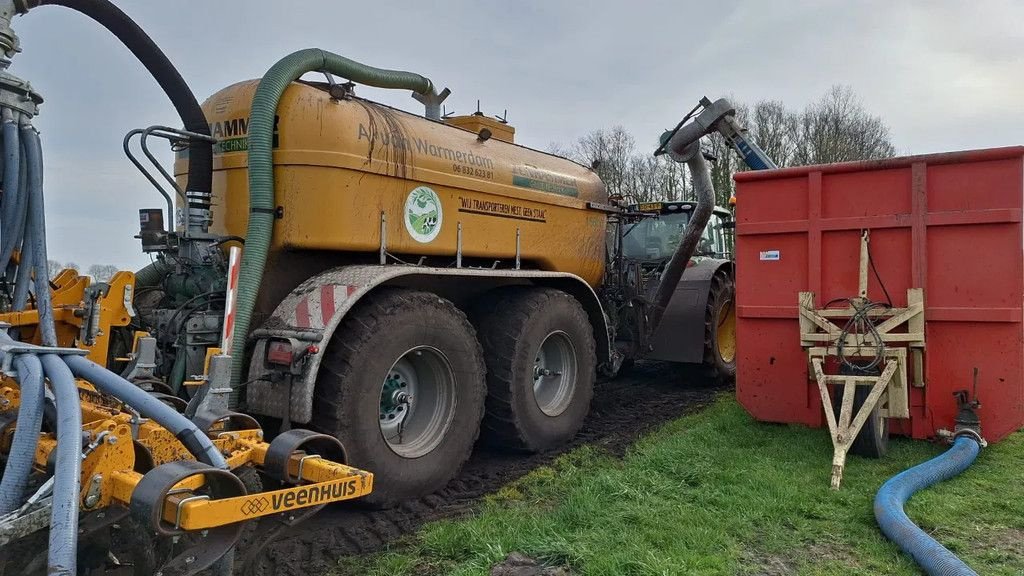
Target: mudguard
680	336
312	312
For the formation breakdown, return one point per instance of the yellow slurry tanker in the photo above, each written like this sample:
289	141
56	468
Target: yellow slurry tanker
407	284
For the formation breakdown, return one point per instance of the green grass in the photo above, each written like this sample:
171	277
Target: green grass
716	493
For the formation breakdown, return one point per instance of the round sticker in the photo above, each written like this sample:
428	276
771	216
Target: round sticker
423	214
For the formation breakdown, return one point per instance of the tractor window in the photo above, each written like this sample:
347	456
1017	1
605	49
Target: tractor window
713	241
655	238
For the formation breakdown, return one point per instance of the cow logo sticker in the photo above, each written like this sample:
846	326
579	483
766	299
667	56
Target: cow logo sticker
423	214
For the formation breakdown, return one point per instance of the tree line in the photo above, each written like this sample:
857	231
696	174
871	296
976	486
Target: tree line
99	272
834	128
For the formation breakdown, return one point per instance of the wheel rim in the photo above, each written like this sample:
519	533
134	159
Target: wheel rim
417	402
554	373
726	335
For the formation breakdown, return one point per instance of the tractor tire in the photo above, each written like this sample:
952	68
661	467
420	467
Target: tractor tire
402	387
719	363
541	364
873	439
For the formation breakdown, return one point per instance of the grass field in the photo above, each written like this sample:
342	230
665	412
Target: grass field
716	493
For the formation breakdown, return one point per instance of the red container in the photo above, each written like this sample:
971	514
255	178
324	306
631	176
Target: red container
948	223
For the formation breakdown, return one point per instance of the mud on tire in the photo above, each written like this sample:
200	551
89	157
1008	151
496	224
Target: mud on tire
719	362
397	341
540	352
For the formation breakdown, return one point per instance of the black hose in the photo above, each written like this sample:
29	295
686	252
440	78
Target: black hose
200	164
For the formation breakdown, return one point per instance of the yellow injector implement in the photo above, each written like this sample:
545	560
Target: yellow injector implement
120	452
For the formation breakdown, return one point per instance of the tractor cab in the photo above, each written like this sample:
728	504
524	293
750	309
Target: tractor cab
653	238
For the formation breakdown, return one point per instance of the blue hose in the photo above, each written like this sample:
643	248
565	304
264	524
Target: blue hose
933	557
197	442
37	223
63	546
14	482
12	157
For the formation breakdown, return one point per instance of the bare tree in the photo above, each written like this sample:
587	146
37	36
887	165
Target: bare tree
610	153
102	272
673	184
72	266
725	163
773	127
53	267
625	170
837	128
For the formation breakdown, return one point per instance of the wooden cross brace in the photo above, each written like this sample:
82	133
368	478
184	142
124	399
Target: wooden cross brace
845	430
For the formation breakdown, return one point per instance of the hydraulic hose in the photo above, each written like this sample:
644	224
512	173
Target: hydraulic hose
14	484
14	234
704	190
149	407
261	168
63	547
12	158
200	165
37	224
933	557
23	278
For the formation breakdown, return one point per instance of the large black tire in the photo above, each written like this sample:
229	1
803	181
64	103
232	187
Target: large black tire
361	360
873	439
523	331
719	362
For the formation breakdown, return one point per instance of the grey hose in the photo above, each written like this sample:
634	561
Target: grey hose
24	274
705	192
14	484
12	156
64	517
13	234
37	226
149	407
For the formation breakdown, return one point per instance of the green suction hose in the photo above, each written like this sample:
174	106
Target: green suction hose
261	166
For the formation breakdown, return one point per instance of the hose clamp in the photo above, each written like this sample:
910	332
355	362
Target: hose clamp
971	433
10	350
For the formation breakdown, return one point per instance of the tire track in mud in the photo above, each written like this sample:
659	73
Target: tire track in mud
622	410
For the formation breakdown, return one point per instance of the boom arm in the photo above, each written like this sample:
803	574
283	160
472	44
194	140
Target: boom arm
718	116
683	145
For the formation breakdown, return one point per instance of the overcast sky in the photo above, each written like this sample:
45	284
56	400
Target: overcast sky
943	75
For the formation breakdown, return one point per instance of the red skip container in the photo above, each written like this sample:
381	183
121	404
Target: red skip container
948	223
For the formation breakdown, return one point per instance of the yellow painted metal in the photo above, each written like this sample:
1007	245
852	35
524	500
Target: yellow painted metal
68	298
210	353
477	122
111	460
203	514
342	164
726	335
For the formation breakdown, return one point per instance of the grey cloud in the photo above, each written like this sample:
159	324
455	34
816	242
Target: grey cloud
944	75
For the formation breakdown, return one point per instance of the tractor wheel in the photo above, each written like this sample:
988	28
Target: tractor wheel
873	439
539	347
402	387
719	364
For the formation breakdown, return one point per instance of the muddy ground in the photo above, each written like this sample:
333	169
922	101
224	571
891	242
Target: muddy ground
622	410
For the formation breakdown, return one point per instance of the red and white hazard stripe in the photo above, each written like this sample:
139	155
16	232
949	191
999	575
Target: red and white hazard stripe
317	308
231	302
